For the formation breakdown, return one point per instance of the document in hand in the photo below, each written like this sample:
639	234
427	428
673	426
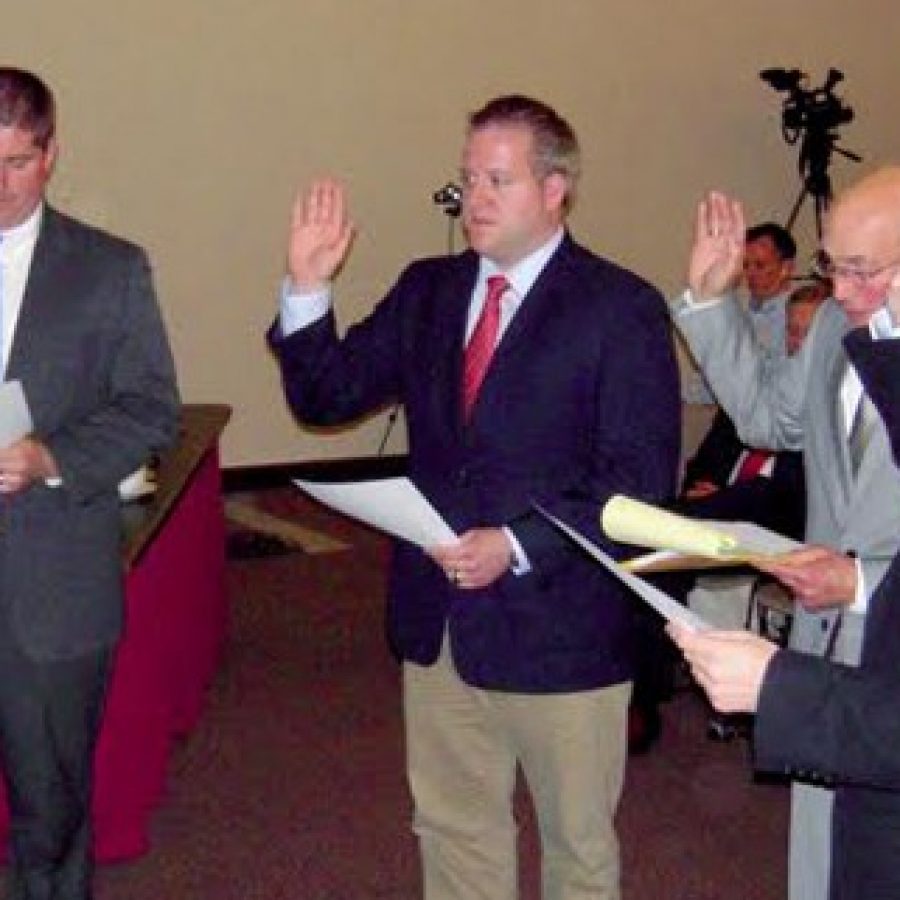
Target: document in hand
394	505
684	543
669	609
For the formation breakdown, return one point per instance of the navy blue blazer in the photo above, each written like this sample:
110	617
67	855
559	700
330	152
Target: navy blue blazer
580	402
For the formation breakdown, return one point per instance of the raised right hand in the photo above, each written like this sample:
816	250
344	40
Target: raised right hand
320	235
717	256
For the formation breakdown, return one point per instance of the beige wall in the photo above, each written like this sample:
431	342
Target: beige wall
187	125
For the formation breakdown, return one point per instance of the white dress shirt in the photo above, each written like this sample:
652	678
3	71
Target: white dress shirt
16	250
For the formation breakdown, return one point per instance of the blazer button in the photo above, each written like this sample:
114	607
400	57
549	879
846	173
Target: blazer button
462	476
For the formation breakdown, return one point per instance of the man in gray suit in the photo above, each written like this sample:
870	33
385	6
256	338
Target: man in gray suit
83	334
812	402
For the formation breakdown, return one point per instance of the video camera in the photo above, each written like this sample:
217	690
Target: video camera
816	109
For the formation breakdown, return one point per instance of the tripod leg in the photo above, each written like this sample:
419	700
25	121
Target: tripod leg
796	210
821	206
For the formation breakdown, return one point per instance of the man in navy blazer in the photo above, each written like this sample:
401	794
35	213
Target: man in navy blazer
83	335
516	648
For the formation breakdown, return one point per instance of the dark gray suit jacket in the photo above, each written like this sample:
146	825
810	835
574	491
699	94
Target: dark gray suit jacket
91	352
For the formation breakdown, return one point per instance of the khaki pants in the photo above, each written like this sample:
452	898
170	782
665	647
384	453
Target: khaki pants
463	745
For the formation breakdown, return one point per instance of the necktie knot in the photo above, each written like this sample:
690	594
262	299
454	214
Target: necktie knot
480	348
496	288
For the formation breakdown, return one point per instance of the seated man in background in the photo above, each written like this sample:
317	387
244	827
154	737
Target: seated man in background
768	268
769	254
729	481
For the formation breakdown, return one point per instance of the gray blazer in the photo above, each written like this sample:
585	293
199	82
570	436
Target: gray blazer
91	352
795	405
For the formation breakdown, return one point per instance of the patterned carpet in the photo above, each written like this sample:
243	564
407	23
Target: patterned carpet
293	787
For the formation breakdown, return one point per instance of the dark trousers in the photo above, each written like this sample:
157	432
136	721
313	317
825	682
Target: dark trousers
49	718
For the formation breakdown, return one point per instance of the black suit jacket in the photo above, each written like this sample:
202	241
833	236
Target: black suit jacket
841	724
580	401
92	356
777	502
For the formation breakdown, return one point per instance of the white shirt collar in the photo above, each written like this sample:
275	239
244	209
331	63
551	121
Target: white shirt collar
24	232
524	273
881	324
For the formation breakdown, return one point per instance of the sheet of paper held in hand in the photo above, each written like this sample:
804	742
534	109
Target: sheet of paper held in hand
669	609
394	505
15	417
684	543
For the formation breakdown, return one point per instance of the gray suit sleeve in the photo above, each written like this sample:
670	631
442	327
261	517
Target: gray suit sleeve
135	412
762	393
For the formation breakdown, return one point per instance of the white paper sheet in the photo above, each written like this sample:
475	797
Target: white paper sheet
15	417
394	505
669	609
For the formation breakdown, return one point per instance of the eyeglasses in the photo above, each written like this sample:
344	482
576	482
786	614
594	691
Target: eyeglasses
825	267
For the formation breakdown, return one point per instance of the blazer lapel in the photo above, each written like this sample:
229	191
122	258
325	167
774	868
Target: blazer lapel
41	300
838	430
444	344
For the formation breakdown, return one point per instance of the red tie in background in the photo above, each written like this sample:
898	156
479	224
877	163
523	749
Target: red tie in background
481	345
753	464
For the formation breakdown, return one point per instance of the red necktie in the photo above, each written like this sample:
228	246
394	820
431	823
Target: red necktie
481	345
753	464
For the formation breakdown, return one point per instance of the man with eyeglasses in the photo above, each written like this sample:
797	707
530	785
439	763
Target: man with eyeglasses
813	401
530	370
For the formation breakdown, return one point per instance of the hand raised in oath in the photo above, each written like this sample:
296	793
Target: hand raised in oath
320	235
717	256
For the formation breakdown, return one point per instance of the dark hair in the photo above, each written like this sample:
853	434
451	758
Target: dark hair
778	235
27	103
556	149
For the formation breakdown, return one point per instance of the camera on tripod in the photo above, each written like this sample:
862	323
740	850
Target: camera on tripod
816	113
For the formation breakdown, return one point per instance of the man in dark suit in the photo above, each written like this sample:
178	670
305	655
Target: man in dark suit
515	647
83	335
816	719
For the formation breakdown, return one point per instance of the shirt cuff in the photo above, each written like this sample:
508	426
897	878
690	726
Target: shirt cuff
299	310
688	303
520	563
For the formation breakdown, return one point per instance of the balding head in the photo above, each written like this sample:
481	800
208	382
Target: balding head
862	240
